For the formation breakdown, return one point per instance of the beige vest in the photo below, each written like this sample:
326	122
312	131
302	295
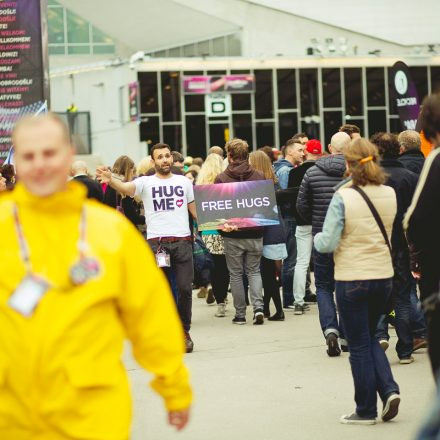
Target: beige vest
362	253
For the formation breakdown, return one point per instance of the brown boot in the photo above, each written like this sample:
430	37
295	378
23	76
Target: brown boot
202	293
419	343
189	344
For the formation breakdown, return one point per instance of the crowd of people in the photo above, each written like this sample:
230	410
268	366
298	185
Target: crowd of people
361	215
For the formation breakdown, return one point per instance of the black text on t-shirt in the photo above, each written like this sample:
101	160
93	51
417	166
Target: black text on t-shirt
164	197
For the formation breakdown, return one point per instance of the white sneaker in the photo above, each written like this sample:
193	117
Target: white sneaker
221	311
354	419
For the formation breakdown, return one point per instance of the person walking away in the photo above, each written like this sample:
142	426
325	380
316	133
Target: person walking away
303	234
211	168
243	247
167	199
411	155
421	224
404	184
293	152
274	245
77	279
357	229
80	173
315	194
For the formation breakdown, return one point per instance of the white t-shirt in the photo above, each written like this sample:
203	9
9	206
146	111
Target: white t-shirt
166	205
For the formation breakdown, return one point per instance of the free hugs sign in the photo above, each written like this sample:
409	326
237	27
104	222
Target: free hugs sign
242	204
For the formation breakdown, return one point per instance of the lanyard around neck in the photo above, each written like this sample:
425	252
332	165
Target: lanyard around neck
24	247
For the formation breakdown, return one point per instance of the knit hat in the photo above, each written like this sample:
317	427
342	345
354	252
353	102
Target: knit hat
313	146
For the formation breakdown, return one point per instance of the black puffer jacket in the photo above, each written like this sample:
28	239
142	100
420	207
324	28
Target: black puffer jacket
413	160
317	189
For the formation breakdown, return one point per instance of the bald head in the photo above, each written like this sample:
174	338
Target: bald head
338	142
79	167
217	150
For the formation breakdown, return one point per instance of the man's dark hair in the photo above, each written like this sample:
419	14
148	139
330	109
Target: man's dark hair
268	150
350	129
387	144
158	147
177	157
430	116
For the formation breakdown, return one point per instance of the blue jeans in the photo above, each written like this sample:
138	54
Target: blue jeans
325	286
360	305
289	263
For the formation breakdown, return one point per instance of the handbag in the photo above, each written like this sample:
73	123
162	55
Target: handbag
201	257
376	217
214	243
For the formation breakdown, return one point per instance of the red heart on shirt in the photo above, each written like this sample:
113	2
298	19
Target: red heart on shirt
179	203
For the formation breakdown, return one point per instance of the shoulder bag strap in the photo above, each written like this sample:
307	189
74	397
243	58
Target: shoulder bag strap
375	215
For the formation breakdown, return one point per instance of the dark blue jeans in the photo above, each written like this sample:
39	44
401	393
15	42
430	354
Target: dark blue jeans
325	287
417	317
289	263
360	304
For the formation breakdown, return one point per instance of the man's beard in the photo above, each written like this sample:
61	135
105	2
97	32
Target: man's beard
161	171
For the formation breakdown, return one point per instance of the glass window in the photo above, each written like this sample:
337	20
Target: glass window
242	124
196	136
392	105
219	47
189	50
265	134
332	122
172	135
77	28
170	82
216	72
57	50
174	52
311	129
435	79
353	92
195	103
148	92
75	49
286	88
52	2
55	17
375	86
218	134
241	101
308	79
331	87
419	75
263	94
287	126
99	36
376	121
234	45
203	48
149	130
103	49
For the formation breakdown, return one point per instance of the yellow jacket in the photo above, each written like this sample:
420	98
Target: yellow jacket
61	375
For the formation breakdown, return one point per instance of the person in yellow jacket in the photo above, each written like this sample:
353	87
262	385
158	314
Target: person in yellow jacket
76	278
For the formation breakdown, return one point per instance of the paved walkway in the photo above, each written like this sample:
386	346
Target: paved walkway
273	382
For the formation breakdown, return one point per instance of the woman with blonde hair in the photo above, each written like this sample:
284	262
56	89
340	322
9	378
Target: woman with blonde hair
144	166
357	229
210	169
274	245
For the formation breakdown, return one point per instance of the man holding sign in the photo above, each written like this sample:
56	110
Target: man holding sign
243	247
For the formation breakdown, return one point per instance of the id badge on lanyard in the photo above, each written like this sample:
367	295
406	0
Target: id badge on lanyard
162	258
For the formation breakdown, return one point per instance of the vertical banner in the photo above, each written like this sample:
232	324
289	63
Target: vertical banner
133	97
404	93
24	70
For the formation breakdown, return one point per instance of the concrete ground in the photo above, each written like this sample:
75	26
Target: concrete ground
273	382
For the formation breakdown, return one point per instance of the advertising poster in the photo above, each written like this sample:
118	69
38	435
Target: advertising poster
242	204
133	96
404	93
222	83
24	76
